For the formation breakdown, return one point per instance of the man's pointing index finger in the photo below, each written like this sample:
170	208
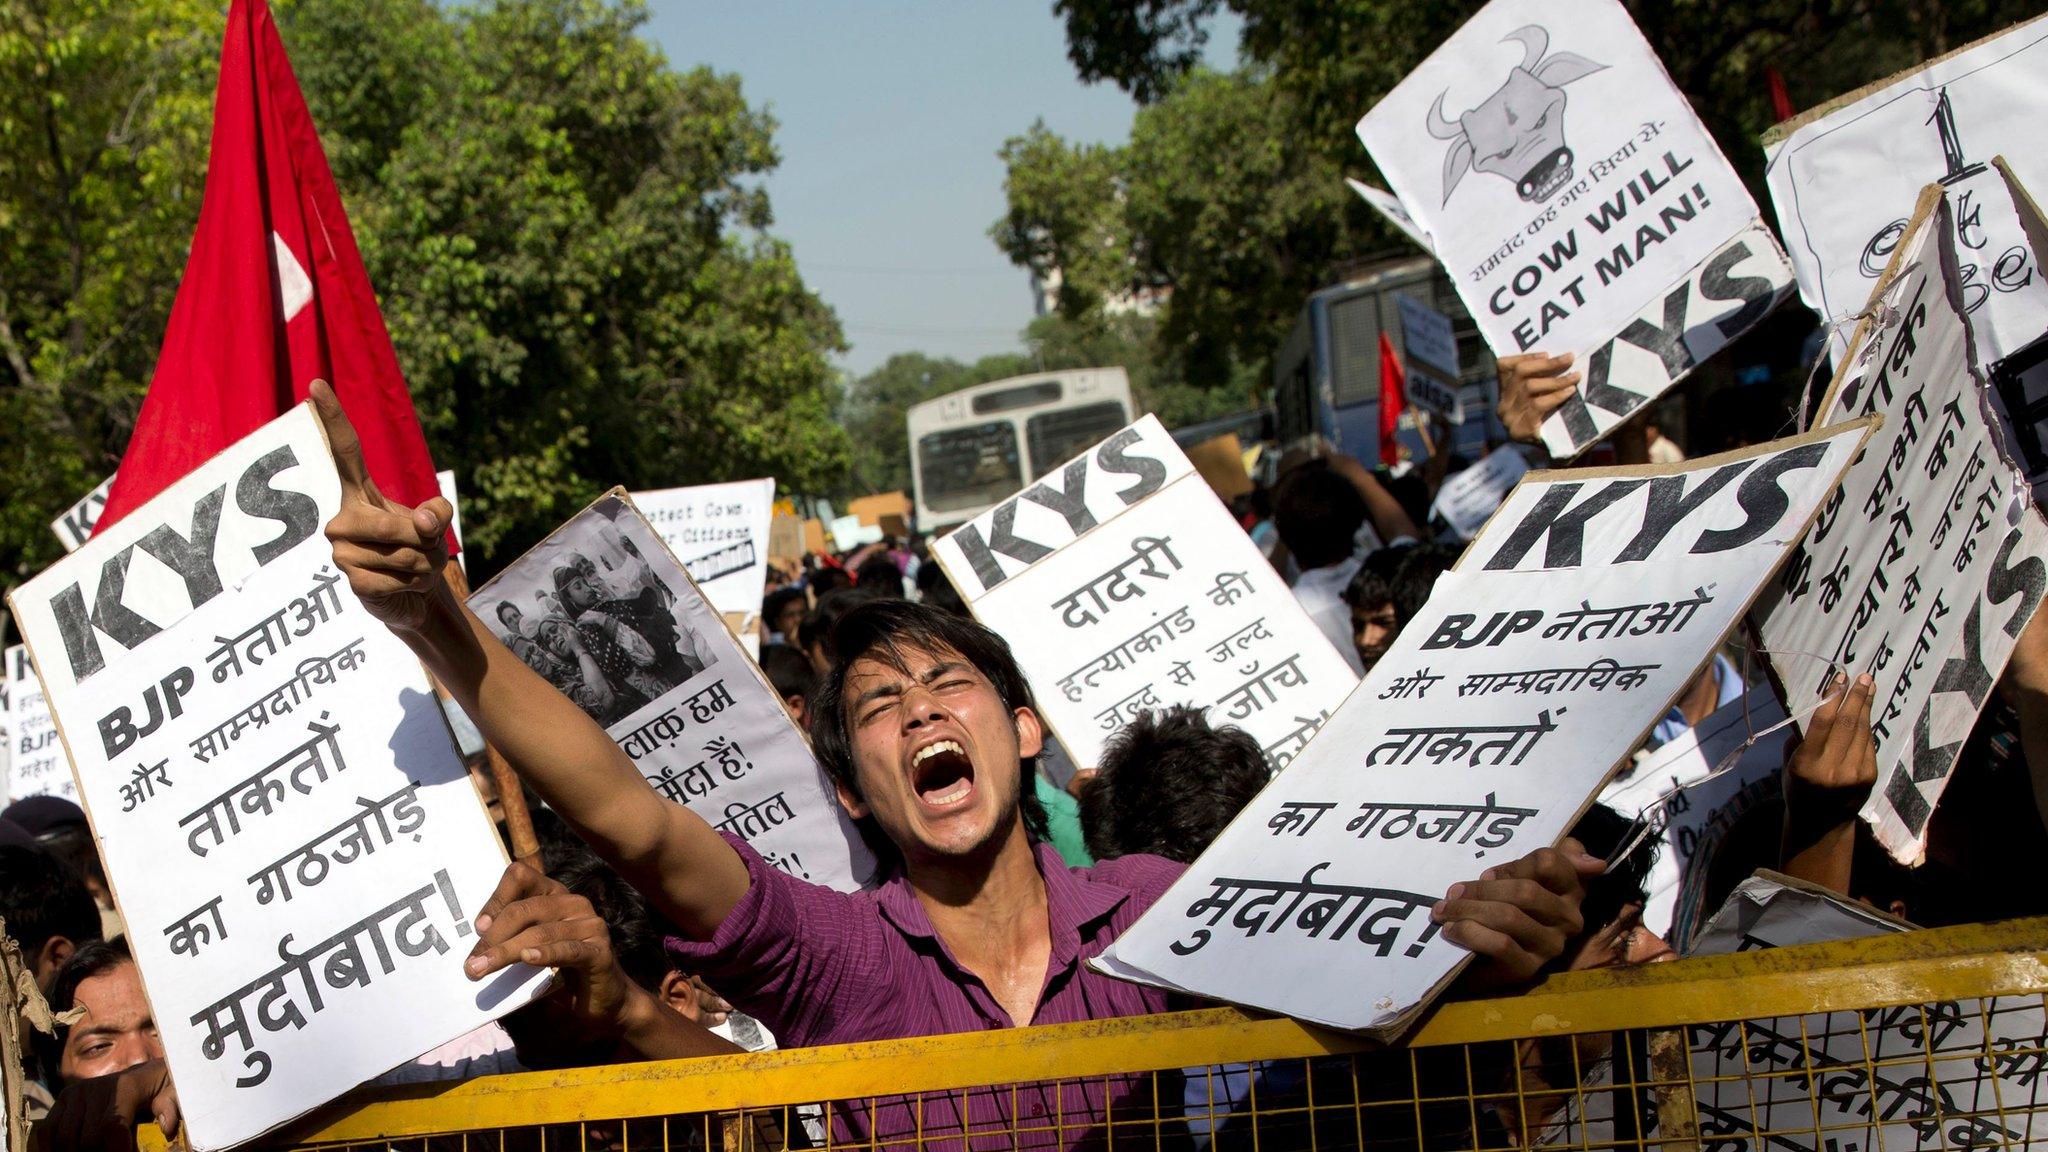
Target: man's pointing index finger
343	442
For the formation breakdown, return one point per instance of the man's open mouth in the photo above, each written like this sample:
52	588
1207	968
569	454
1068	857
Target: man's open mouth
942	775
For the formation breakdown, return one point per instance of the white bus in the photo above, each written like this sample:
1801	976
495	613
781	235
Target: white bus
972	449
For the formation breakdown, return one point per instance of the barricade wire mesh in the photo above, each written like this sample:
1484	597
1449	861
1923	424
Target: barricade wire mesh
1920	1041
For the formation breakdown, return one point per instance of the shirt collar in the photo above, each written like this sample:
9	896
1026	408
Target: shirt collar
1073	900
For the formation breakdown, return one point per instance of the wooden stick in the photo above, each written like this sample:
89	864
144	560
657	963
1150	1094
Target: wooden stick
511	796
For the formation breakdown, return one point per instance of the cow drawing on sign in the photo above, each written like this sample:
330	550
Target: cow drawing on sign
1518	132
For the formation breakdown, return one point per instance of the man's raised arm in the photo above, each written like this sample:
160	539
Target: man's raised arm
393	557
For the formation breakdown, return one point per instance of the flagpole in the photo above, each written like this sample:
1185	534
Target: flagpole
511	794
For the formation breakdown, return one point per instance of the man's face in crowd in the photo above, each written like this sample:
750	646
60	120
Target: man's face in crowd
1625	943
509	616
116	1032
936	753
789	619
580	592
1373	630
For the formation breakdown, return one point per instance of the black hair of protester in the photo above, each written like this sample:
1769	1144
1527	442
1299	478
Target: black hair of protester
42	897
1168	784
788	670
888	631
831	606
1317	513
880	574
636	932
93	958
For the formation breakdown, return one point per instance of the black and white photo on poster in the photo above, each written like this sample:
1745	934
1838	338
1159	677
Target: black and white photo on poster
1928	563
1586	605
1577	203
605	612
289	833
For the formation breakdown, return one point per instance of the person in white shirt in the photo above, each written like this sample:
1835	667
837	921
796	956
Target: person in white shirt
1332	513
1662	449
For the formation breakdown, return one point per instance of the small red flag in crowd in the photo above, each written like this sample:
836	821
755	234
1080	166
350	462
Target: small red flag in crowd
1393	402
274	295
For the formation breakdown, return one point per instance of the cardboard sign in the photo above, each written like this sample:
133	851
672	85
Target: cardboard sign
721	533
75	526
1584	608
1468	498
1577	202
1427	338
607	614
1220	460
1389	207
1844	179
1123	585
1693	789
870	510
285	822
1926	565
785	540
35	756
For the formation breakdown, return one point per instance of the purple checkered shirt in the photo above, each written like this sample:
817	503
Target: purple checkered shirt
825	967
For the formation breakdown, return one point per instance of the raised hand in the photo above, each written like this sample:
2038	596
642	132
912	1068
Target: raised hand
1532	386
1518	917
532	919
393	555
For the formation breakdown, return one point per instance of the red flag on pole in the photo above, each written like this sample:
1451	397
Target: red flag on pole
274	295
1393	402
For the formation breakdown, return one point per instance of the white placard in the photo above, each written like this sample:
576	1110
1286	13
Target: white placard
74	527
1427	337
1122	585
288	830
1927	564
1577	202
1952	1074
1694	788
720	532
1389	207
35	756
1844	184
1584	608
848	533
610	616
1468	498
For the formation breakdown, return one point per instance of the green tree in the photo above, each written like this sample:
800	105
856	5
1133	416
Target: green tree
568	235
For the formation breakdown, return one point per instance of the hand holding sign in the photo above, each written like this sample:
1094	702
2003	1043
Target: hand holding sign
392	555
1532	386
1519	916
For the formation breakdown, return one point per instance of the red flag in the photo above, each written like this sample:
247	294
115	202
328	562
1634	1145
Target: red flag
1393	402
274	295
1781	100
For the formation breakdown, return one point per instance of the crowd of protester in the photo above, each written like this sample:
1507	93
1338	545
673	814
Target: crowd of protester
1005	869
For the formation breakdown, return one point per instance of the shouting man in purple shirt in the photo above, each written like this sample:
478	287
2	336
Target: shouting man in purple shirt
927	730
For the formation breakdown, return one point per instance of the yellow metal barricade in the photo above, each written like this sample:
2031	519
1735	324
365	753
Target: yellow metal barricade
1922	1040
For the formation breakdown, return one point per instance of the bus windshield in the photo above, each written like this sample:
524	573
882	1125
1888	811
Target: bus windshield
1060	435
970	467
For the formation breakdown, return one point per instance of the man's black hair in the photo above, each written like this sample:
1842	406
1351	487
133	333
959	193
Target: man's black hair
1416	576
74	845
773	604
93	958
636	932
1317	512
831	606
788	670
1167	785
41	897
1373	584
827	579
888	631
880	574
499	611
934	589
1603	831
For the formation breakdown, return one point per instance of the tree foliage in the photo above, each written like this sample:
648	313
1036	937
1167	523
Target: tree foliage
1229	190
568	236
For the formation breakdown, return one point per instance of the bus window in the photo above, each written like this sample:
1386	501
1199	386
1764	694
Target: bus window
1024	396
969	467
1057	437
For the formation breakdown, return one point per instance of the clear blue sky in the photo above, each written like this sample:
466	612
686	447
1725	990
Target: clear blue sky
890	115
